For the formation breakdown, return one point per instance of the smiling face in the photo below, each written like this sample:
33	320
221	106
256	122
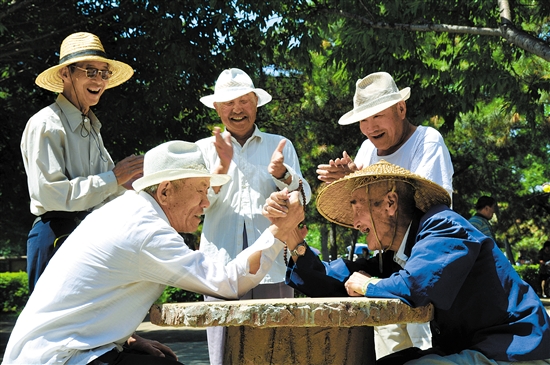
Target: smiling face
388	129
80	90
183	201
239	115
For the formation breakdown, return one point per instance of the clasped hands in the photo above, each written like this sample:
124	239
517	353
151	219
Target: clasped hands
336	169
285	211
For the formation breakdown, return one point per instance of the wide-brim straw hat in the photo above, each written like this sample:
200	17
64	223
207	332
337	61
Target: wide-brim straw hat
373	94
80	47
333	202
175	160
231	84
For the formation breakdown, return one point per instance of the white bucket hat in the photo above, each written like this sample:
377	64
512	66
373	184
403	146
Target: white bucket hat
79	47
373	94
175	160
231	84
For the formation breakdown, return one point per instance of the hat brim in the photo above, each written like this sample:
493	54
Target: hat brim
354	116
51	80
333	202
221	97
176	174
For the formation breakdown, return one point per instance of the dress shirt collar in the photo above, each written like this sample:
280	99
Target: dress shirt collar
400	256
154	204
256	134
73	115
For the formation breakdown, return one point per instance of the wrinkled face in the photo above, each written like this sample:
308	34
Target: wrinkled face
184	202
81	90
238	115
386	129
380	217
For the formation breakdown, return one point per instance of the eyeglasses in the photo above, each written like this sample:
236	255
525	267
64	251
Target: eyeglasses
92	72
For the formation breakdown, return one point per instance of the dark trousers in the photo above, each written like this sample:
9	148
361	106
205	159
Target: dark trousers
45	238
132	357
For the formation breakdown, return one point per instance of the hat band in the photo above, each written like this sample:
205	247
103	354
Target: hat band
86	52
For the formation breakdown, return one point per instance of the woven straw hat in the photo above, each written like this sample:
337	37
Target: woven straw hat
231	84
373	94
333	202
79	47
175	160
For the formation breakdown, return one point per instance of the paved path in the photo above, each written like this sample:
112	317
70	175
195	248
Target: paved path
188	343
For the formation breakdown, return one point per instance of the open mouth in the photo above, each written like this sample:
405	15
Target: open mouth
95	92
238	119
377	136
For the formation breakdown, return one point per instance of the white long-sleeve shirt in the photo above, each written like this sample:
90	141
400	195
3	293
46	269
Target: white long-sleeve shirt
100	284
238	204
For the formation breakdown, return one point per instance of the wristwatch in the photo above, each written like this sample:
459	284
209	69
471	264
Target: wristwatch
285	176
300	249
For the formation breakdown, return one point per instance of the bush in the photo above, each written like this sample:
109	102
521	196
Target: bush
177	295
529	274
14	291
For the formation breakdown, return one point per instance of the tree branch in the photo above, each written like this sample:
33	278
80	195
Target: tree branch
507	30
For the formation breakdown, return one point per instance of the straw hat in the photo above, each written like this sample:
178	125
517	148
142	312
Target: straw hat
231	84
373	94
175	160
333	202
79	47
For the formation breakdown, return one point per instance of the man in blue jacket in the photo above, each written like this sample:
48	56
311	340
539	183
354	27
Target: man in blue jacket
483	312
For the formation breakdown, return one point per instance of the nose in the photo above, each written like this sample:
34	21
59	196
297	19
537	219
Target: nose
205	203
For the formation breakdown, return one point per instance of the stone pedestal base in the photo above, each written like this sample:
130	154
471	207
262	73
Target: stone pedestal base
247	345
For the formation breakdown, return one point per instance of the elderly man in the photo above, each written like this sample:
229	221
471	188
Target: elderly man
69	171
380	109
105	277
259	163
483	312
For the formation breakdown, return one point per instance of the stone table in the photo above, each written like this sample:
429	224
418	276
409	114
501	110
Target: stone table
294	331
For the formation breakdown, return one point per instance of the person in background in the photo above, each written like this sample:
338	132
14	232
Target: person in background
380	109
69	171
544	269
259	163
484	313
103	280
486	207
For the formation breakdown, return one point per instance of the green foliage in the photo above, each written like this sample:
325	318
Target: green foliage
177	295
529	274
488	98
14	291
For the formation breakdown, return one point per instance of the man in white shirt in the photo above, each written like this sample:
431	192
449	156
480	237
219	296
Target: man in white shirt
117	262
380	109
69	171
259	163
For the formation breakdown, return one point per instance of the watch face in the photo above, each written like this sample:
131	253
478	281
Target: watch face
300	250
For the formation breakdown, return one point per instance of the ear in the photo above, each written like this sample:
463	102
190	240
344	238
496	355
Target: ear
392	203
402	108
64	73
163	192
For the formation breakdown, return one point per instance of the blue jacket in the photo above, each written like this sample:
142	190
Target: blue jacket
479	300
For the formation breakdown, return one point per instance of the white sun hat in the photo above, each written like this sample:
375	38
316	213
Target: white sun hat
80	47
175	160
373	94
231	84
